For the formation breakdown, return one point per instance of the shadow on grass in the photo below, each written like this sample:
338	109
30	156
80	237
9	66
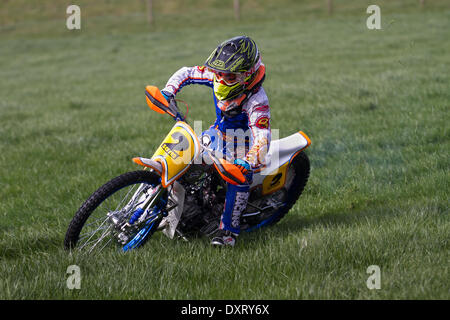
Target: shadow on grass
293	224
17	249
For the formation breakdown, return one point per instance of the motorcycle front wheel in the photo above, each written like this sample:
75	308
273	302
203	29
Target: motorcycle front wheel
107	216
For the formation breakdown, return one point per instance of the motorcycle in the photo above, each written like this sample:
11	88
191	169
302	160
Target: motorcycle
181	189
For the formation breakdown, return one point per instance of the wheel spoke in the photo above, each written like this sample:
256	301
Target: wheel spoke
106	229
104	218
87	234
106	233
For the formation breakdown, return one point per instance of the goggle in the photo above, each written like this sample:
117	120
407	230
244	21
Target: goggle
228	78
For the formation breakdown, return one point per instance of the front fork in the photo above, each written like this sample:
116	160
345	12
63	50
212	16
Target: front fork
155	211
148	206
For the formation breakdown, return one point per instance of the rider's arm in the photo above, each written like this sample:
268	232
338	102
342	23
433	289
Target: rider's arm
186	76
258	113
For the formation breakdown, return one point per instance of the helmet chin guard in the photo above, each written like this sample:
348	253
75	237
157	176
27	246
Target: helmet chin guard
232	106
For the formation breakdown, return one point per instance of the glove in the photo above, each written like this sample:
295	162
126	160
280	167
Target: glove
242	165
167	95
245	168
172	104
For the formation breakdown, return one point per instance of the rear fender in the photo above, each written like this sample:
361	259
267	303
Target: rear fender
281	153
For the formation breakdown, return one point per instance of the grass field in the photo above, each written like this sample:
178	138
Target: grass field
375	104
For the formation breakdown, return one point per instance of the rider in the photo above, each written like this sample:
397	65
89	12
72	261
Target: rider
235	72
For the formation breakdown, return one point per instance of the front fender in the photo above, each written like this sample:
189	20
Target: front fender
149	163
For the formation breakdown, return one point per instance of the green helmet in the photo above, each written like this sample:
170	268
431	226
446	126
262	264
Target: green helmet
239	56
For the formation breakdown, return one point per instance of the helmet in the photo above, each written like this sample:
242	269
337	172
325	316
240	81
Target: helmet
235	63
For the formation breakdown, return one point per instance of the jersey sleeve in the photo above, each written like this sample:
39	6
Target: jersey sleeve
189	75
259	123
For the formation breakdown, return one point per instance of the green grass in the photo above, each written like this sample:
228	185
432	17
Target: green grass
374	103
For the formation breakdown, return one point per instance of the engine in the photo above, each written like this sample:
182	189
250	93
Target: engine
203	203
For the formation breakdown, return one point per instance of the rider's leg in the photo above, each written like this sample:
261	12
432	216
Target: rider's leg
235	203
237	195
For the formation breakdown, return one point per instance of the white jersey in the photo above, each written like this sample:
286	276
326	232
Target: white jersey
254	116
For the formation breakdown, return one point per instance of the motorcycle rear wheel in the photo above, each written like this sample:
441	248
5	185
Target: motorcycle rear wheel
301	166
